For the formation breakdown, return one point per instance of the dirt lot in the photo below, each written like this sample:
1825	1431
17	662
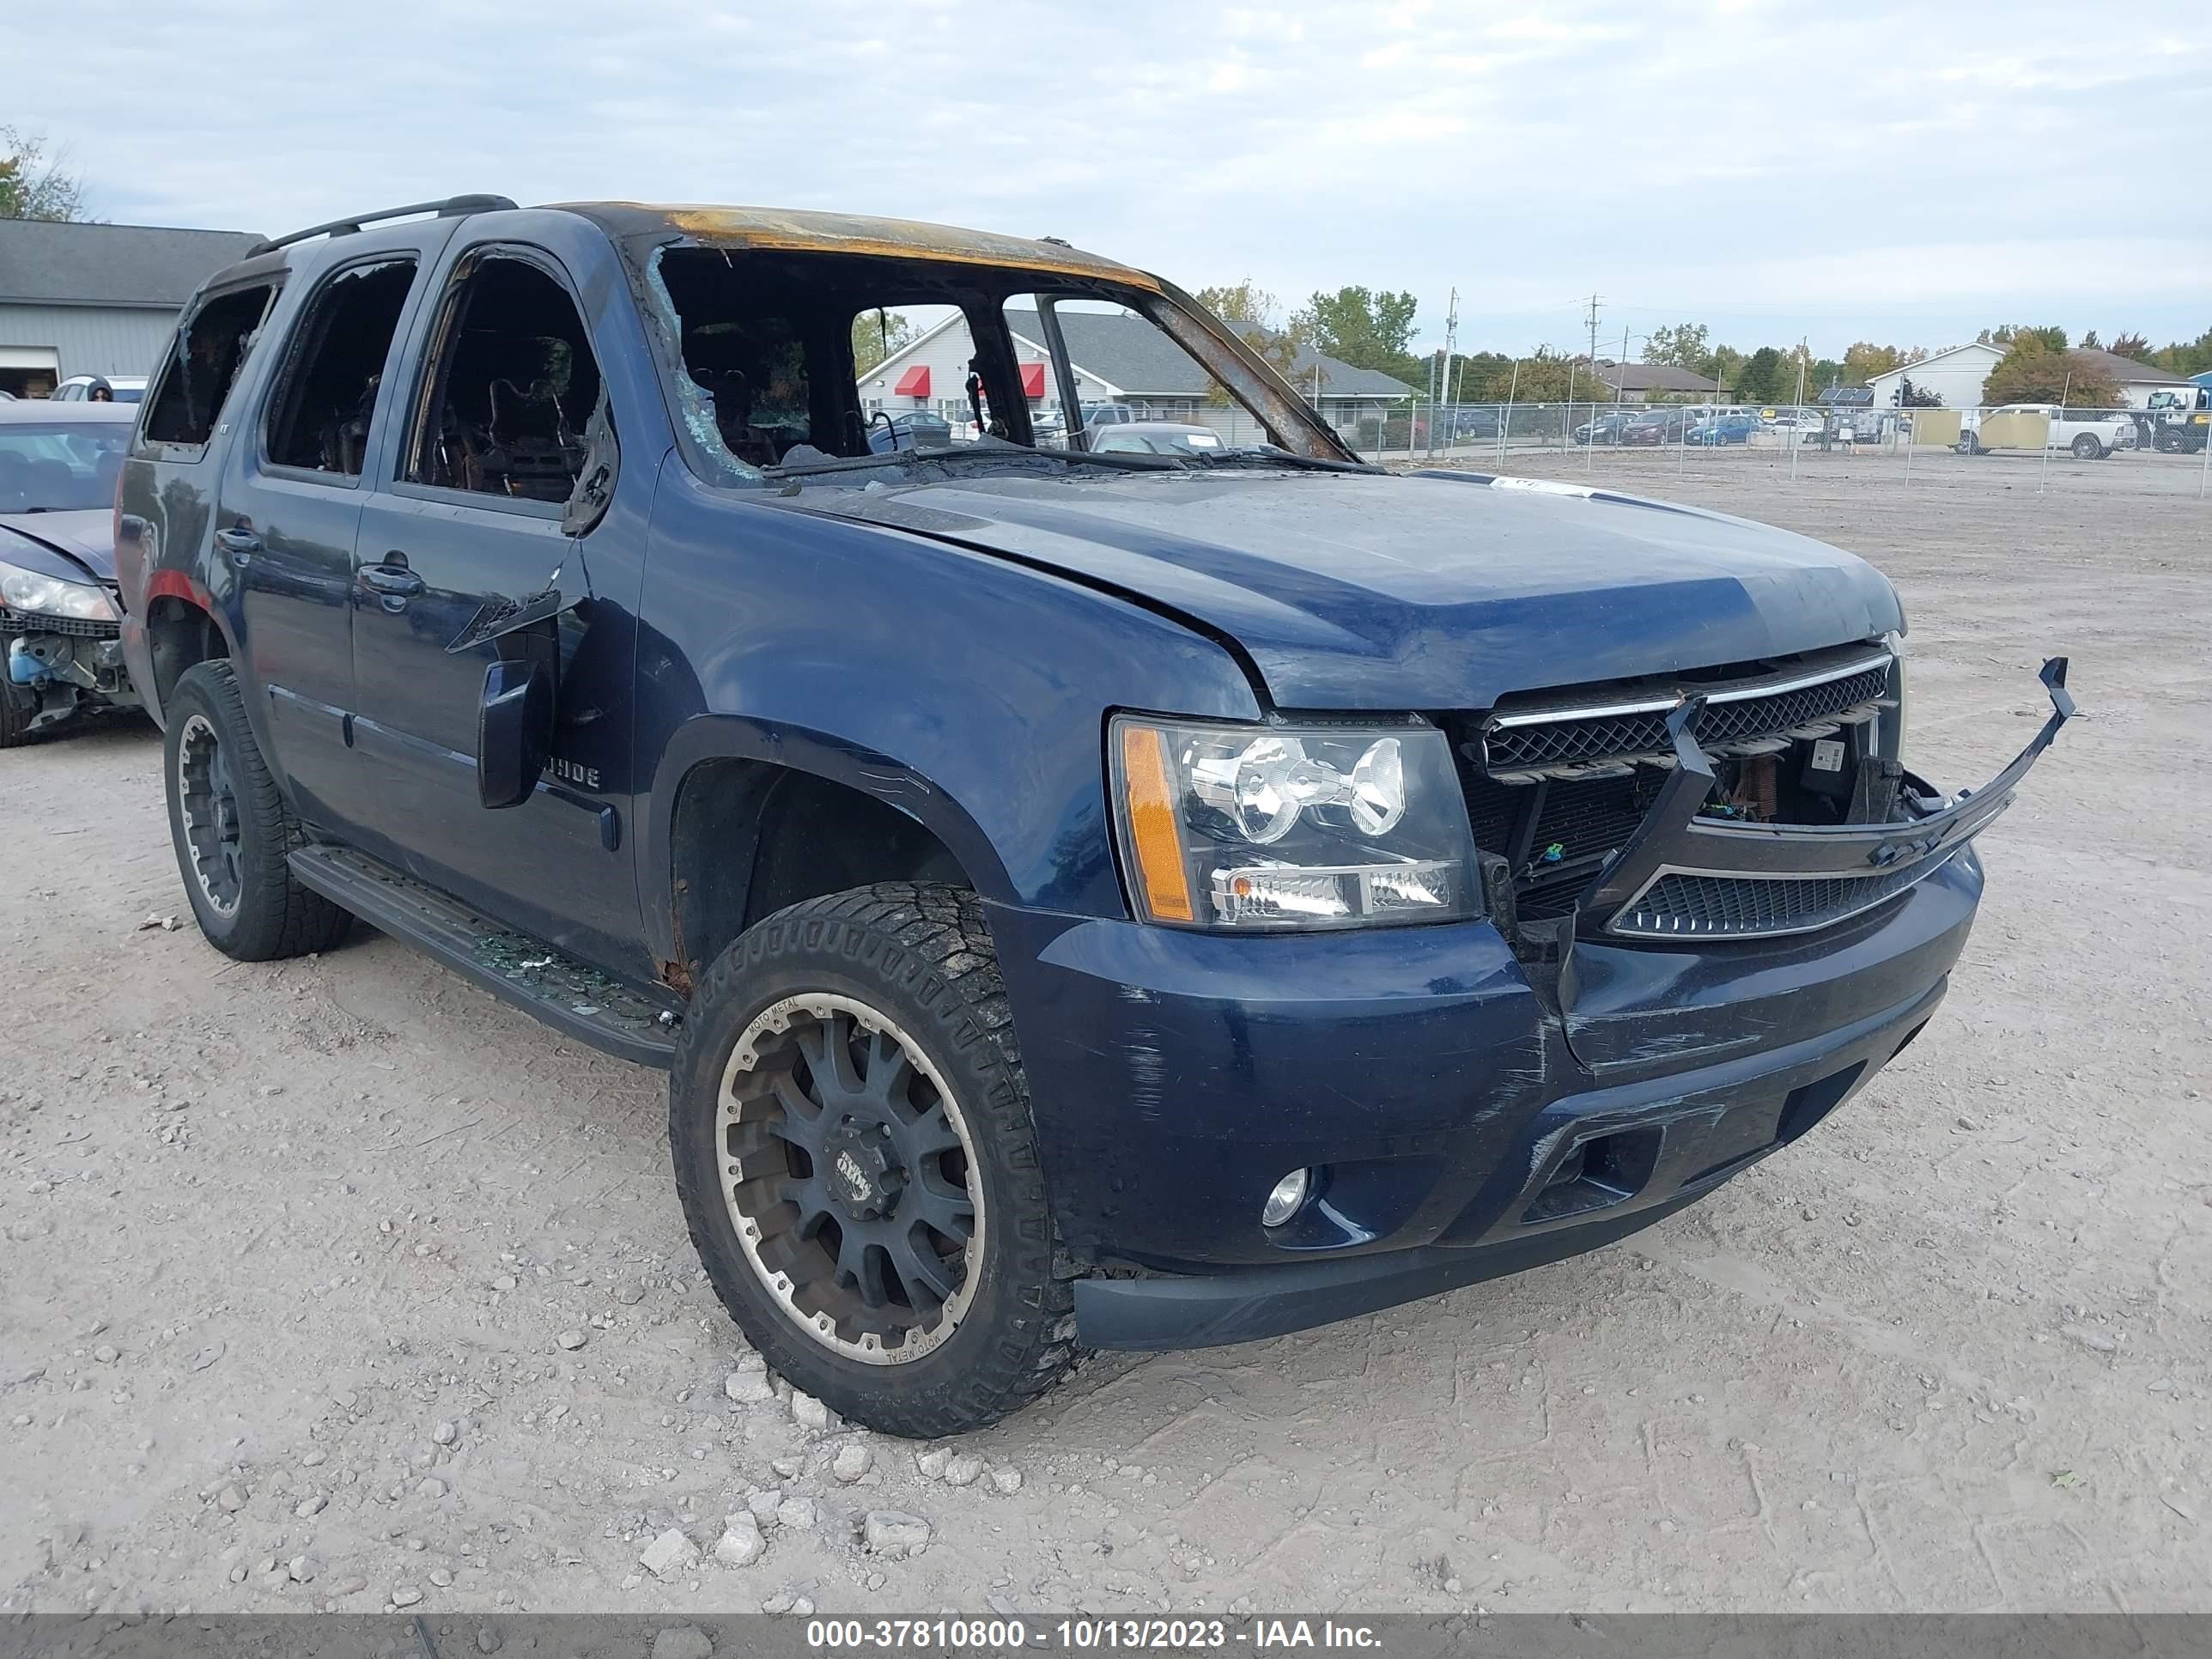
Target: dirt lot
292	1251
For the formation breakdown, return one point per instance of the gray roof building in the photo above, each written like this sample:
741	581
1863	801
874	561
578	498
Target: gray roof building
79	298
1132	354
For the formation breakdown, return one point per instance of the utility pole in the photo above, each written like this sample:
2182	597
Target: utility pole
1443	380
1593	330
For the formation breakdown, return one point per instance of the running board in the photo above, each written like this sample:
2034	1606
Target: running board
578	1000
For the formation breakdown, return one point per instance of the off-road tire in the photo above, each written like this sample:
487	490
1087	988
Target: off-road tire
2169	443
273	916
921	955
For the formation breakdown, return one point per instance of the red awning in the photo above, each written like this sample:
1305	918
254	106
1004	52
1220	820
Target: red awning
1032	380
914	383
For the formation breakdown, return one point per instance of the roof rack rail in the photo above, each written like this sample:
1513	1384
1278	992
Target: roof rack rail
450	207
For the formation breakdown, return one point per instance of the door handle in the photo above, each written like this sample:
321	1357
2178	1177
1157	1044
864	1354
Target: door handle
239	543
393	581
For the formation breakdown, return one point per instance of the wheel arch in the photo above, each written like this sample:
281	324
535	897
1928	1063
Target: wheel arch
185	628
744	818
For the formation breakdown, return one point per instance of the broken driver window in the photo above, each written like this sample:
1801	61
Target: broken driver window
513	384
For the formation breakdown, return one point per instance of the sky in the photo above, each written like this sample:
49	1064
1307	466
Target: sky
1905	173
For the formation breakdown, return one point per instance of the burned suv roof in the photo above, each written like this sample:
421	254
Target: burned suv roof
797	230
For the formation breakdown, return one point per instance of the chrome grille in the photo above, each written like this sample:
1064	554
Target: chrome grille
1518	744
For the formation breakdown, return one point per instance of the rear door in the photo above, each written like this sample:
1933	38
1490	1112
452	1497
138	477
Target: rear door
289	504
468	514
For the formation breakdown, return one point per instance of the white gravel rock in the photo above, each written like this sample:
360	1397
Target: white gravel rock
964	1469
307	1507
932	1462
669	1555
748	1388
852	1460
571	1340
683	1642
741	1543
1005	1480
303	1569
809	1412
894	1532
445	1434
796	1514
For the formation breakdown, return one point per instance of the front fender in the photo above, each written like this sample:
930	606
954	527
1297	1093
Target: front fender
966	689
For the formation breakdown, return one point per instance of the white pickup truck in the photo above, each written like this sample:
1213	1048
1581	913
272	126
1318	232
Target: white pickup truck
2091	433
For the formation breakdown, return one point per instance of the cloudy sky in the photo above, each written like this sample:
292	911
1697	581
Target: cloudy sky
1834	169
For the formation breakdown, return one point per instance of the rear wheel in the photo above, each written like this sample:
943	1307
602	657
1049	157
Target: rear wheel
232	829
858	1168
2169	442
2087	448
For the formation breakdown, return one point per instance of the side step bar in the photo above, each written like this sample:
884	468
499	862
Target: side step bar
578	1000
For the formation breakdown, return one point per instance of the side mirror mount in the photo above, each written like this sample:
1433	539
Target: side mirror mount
515	731
594	492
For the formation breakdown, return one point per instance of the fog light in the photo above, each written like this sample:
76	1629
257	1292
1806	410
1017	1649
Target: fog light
1283	1203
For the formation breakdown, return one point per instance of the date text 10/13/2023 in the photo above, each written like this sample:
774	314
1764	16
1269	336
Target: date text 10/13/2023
1087	1635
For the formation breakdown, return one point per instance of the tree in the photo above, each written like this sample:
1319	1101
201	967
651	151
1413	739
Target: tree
2091	342
2130	344
1547	377
1724	368
2189	357
2032	373
32	183
1863	360
1241	302
1909	396
1368	329
1759	381
876	334
1683	344
2051	338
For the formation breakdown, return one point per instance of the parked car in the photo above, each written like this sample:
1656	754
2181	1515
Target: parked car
1076	903
1722	430
1659	425
1156	438
1604	428
1097	415
2090	434
121	388
58	622
917	429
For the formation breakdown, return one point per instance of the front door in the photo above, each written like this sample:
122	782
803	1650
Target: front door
470	516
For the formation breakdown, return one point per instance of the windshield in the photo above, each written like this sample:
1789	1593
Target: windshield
838	365
61	467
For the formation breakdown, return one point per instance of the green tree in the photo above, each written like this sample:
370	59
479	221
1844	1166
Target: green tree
1682	344
2031	371
1241	302
2186	357
2051	338
2132	344
32	183
1368	329
1863	360
876	334
1723	367
1545	377
1759	381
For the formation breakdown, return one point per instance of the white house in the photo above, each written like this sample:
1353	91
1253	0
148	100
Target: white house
1955	376
2136	381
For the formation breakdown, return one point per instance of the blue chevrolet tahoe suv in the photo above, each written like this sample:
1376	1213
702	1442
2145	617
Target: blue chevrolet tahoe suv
1082	900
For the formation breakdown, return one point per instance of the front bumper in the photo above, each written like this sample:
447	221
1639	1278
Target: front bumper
1664	1146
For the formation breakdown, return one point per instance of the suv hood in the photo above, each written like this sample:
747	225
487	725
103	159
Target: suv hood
1430	591
53	543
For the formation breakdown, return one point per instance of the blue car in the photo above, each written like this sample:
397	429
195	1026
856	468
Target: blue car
1727	429
1080	898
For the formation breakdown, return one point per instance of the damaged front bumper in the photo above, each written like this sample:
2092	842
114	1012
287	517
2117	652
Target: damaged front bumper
1687	875
1466	1107
54	674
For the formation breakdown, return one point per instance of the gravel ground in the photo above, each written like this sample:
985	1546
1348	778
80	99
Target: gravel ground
335	1283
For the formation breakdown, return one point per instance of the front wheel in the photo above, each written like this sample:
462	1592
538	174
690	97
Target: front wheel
857	1164
2169	443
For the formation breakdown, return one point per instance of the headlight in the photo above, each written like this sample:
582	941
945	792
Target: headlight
1275	827
49	596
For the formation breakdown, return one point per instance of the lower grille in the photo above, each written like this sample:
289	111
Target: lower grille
74	628
1680	906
